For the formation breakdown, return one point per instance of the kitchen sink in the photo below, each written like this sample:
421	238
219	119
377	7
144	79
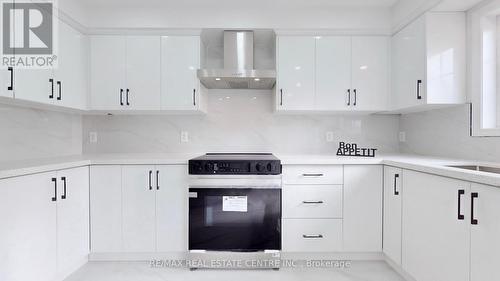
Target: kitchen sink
487	169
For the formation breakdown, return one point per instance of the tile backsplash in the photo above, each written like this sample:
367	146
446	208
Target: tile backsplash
32	133
238	121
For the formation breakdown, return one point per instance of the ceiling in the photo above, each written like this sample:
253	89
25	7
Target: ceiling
237	3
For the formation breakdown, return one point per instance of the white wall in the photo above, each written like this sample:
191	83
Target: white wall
242	122
446	133
29	133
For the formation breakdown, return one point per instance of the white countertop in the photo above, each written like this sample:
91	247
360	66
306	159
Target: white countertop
426	164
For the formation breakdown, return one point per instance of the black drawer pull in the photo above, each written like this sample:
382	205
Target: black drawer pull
59	85
355	97
54	180
315	236
460	193
281	97
396	192
51	81
150	180
312	202
128	91
348	97
121	97
11	87
419	82
157	180
312	175
472	197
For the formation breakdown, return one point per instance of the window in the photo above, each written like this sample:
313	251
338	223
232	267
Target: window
484	74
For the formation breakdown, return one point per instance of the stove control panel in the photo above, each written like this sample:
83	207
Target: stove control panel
234	167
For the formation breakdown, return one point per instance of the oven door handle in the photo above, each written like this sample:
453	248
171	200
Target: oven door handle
312	236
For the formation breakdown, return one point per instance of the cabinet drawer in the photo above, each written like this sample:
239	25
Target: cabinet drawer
312	174
312	201
312	235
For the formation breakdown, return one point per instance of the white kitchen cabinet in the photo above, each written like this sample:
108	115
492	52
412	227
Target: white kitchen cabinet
393	193
313	174
312	235
28	236
6	80
63	85
106	209
138	208
295	73
125	72
72	220
180	87
428	63
370	73
485	246
436	241
363	208
333	73
44	225
171	208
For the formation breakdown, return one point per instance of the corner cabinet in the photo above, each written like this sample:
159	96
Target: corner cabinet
46	218
393	193
332	73
429	63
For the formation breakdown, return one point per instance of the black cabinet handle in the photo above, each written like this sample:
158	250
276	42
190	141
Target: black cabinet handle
472	197
312	202
121	97
281	97
460	193
51	81
157	180
312	175
419	82
396	192
150	180
11	87
59	85
355	97
128	91
64	188
194	97
348	97
54	180
316	236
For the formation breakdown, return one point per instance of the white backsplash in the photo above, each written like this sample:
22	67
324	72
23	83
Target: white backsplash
238	121
445	132
30	133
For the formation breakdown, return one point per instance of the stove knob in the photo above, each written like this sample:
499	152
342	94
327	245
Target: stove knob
260	167
209	167
269	167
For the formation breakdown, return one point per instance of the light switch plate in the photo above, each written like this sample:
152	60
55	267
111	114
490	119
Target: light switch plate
402	136
93	137
184	136
329	136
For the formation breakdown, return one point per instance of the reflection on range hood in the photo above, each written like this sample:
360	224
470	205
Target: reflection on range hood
238	72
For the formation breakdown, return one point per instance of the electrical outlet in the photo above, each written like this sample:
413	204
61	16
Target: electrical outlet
329	136
93	137
184	136
402	136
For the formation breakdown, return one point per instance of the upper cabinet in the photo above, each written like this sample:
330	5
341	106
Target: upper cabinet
125	72
64	85
428	63
180	87
332	73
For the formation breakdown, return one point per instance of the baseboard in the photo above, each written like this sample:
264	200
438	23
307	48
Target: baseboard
398	268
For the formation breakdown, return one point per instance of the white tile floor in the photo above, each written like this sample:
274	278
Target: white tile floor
128	271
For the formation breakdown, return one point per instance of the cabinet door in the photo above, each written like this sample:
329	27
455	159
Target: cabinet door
392	213
107	72
6	88
436	243
139	232
370	73
106	209
363	208
171	208
35	85
333	73
72	220
485	245
28	237
143	72
72	70
409	63
295	85
180	59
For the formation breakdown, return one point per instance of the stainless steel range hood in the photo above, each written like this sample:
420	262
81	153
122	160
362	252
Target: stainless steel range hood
238	71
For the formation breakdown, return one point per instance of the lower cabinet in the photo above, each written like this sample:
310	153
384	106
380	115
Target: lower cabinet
312	235
436	227
363	208
485	233
44	220
393	193
143	207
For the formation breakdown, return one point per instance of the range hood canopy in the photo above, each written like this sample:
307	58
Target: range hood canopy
238	71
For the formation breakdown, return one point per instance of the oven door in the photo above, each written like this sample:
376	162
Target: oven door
234	219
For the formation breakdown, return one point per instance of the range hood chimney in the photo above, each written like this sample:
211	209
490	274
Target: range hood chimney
238	71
